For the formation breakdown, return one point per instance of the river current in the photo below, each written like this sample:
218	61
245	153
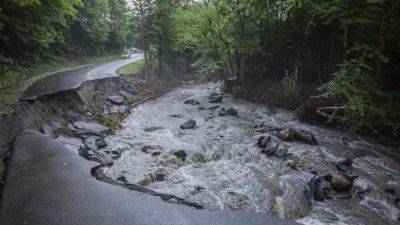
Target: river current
224	169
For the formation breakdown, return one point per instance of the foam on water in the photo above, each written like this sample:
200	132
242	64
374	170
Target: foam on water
225	170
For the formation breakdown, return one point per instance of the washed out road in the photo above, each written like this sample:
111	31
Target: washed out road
73	79
49	183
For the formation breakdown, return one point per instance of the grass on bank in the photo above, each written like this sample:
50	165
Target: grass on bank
13	83
133	68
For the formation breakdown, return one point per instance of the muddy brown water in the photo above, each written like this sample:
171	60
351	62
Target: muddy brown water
224	169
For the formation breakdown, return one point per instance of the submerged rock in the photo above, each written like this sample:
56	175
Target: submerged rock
192	102
189	124
262	141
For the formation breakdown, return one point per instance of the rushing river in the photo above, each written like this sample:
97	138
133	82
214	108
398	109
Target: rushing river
224	169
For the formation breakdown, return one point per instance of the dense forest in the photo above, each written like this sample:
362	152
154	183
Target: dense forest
345	54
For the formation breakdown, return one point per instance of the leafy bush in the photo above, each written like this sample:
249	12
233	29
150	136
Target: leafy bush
365	104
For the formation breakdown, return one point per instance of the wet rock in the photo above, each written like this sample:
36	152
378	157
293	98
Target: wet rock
85	153
91	142
181	154
291	164
192	102
122	179
231	112
305	137
101	143
281	152
213	107
215	97
392	187
340	181
296	198
152	150
189	124
126	94
286	134
90	128
270	148
116	99
223	112
316	188
262	141
201	107
344	166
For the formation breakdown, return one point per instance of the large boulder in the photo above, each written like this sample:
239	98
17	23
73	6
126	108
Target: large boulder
340	181
296	199
286	134
189	124
305	137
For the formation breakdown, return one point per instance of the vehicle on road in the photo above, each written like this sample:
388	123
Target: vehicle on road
134	50
126	55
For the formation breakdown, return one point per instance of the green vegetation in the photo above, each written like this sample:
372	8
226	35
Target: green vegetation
279	49
133	68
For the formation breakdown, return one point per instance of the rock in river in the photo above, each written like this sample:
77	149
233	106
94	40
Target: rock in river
345	165
268	146
286	134
305	137
192	102
189	124
215	97
181	154
340	181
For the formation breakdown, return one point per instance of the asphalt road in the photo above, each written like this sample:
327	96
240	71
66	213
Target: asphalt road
73	79
48	184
